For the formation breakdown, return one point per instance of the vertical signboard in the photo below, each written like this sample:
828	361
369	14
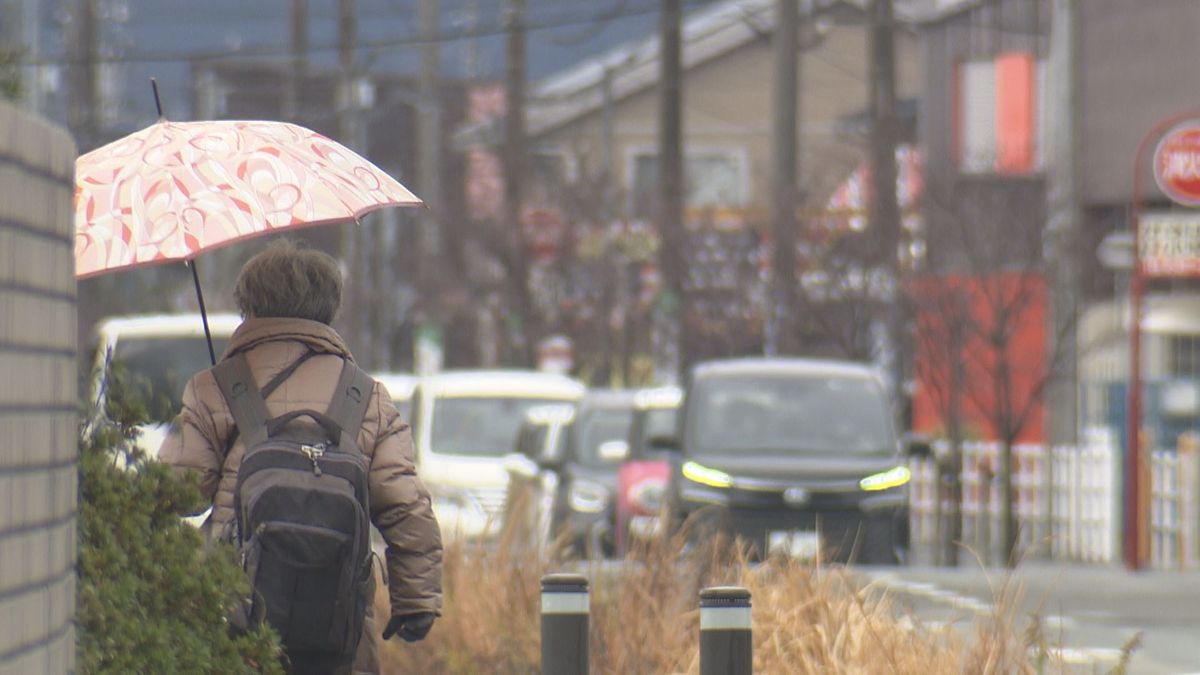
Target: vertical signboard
1166	244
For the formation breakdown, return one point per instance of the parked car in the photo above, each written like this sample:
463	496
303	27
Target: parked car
596	445
401	386
643	477
795	456
464	425
568	458
154	356
533	477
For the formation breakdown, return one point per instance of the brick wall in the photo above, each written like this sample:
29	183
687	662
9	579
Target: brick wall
38	398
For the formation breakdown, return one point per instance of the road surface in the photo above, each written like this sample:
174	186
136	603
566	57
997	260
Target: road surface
1089	611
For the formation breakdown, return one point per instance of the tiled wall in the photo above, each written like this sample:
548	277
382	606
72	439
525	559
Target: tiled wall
38	398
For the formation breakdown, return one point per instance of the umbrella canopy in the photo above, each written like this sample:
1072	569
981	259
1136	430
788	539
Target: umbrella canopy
176	189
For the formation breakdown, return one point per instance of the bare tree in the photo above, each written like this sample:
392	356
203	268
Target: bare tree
974	316
843	293
942	318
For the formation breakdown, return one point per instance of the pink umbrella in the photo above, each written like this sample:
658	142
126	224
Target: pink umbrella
177	189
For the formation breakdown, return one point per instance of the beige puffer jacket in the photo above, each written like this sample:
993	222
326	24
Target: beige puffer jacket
400	503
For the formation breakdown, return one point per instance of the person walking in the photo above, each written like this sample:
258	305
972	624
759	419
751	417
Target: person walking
286	393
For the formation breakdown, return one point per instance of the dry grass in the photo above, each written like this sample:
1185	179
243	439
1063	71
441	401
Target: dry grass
807	619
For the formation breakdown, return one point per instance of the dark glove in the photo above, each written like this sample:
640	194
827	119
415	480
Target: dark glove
410	627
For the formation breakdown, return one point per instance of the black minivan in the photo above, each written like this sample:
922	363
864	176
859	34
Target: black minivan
794	456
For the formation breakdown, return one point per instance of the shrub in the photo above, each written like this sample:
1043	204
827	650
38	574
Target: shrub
645	618
150	598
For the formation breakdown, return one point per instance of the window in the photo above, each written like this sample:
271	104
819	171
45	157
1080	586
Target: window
596	427
478	426
712	179
1184	355
1000	114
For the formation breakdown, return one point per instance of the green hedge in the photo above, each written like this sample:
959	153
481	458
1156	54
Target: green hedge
151	599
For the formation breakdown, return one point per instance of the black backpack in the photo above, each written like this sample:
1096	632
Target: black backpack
302	512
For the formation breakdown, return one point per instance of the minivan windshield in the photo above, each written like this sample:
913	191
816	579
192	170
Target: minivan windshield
156	369
597	426
787	413
484	426
654	423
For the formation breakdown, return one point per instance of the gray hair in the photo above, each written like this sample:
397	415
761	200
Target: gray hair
290	282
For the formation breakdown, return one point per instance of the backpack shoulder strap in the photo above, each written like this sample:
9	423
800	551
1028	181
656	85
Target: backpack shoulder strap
349	404
245	401
284	374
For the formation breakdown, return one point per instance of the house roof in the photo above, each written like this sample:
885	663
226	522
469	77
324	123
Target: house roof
706	34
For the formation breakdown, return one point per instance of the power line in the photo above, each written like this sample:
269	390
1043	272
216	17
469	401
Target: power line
593	30
364	45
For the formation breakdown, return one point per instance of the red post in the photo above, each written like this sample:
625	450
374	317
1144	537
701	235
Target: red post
1133	421
1133	458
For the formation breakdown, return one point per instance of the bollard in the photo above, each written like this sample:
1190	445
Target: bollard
726	647
564	624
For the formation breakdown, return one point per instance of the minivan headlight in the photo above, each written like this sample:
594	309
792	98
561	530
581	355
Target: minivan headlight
704	475
886	479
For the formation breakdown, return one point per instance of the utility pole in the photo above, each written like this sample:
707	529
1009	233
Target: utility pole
783	175
514	166
298	65
885	212
1062	196
607	131
884	209
1062	225
84	73
670	166
429	143
31	26
348	134
471	55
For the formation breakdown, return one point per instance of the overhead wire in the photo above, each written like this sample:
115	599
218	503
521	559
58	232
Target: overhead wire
602	23
364	45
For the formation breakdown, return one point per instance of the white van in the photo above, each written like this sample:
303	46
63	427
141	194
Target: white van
464	425
401	387
160	353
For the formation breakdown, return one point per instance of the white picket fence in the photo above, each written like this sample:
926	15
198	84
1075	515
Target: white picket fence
1174	534
1067	502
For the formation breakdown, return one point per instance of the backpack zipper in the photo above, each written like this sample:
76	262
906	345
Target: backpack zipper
313	452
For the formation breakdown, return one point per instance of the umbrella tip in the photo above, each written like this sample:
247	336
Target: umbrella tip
157	100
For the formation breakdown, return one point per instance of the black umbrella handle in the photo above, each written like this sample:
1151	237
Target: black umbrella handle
212	355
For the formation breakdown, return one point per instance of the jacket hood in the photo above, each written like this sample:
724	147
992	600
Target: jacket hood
318	336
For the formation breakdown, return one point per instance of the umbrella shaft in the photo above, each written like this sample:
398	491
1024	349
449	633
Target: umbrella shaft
212	355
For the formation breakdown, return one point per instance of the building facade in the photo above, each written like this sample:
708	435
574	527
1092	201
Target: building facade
1032	114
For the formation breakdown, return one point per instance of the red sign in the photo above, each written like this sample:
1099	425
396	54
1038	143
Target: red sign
1177	164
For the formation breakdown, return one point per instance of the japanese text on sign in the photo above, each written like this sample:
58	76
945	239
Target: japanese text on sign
1169	244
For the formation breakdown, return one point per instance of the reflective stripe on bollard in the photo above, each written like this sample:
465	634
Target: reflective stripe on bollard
726	647
564	624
